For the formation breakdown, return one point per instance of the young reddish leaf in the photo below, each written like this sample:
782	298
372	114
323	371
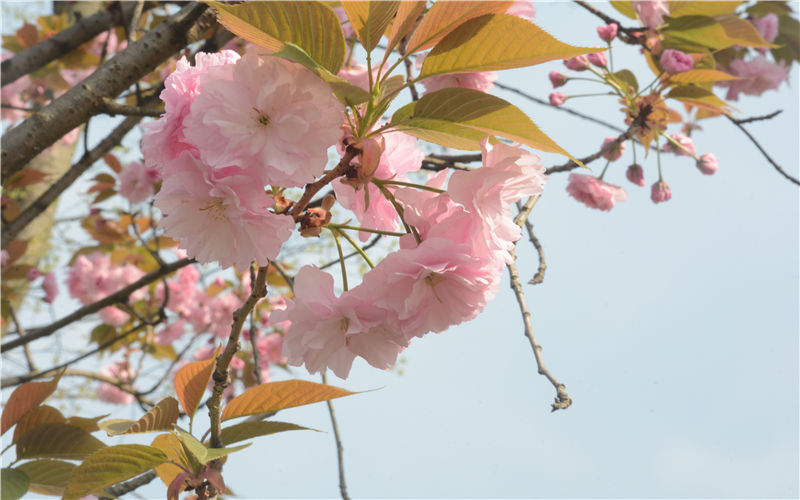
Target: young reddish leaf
112	465
113	162
48	477
701	76
16	249
495	42
25	397
460	118
34	418
444	17
191	382
248	430
404	22
13	483
28	35
176	487
370	19
274	396
171	446
24	177
57	440
161	417
310	25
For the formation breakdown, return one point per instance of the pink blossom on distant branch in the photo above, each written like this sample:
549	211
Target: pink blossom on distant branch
688	148
120	371
595	193
523	9
674	61
608	32
708	164
651	12
137	182
50	286
767	26
755	77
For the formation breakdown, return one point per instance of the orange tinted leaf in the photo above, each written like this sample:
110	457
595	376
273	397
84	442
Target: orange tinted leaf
444	17
407	14
25	397
112	162
161	417
274	396
698	97
171	446
57	440
35	417
28	35
24	177
191	382
16	249
701	76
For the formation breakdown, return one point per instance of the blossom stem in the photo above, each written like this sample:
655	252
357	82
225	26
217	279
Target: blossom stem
610	58
341	258
590	95
314	187
633	148
603	173
658	159
356	247
364	229
389	196
657	78
679	145
408	184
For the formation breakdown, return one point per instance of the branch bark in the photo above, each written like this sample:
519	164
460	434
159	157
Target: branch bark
26	140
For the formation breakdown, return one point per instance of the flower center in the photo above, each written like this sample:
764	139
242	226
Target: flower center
261	117
215	208
434	279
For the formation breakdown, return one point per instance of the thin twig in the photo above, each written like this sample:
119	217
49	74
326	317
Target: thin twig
122	488
758	118
339	447
284	274
314	187
539	276
21	331
254	331
763	152
369	245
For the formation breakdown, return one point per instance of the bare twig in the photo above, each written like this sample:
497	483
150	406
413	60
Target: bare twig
86	310
539	276
21	331
339	447
314	187
627	35
122	488
759	118
112	107
284	274
254	331
763	151
436	163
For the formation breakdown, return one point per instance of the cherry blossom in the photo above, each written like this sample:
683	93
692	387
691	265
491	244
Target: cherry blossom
118	370
557	98
688	148
660	192
595	193
136	182
607	33
612	153
651	12
557	79
708	164
50	286
674	61
635	174
755	77
523	9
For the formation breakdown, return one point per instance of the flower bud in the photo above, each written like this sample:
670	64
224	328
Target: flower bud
557	79
607	33
660	192
557	98
50	286
708	163
674	61
597	58
635	174
688	148
612	153
577	63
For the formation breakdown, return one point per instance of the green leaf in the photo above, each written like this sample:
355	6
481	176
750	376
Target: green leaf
444	17
202	453
495	42
701	76
110	466
13	484
626	79
215	453
25	397
460	118
274	396
171	446
161	417
345	91
48	477
57	440
698	97
249	430
679	8
624	7
715	33
370	19
312	26
789	40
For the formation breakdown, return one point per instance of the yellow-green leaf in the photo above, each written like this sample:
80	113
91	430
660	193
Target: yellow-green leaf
161	417
202	453
13	483
679	8
624	7
444	17
716	33
701	76
248	430
57	440
274	396
625	78
370	19
312	26
191	382
698	97
110	466
404	21
495	42
48	477
34	418
171	446
25	397
742	31
460	118
345	91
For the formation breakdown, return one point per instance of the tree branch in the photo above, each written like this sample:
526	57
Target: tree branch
112	107
519	220
314	187
627	35
759	118
763	151
122	488
110	300
24	141
339	447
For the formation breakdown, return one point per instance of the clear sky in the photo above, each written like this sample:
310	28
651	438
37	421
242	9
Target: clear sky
673	326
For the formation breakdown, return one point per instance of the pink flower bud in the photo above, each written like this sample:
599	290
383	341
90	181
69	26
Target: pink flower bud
607	33
557	98
4	256
767	26
33	273
674	61
708	163
577	63
557	79
635	174
50	286
612	153
660	192
597	58
688	148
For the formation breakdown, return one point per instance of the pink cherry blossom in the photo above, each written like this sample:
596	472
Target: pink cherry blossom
557	98
220	214
595	193
182	289
50	286
688	148
164	139
170	333
32	274
635	174
266	115
608	32
755	77
597	58
120	371
523	9
615	152
136	182
93	277
222	307
347	27
674	61
271	349
651	12
113	316
660	192
557	79
577	63
708	163
767	26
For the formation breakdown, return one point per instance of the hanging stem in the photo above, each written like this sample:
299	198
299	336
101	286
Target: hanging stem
356	247
341	258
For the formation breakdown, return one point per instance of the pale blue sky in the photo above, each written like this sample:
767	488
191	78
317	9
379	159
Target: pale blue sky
674	327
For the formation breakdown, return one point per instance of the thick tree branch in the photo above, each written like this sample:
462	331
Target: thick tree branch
24	141
112	107
110	300
64	42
